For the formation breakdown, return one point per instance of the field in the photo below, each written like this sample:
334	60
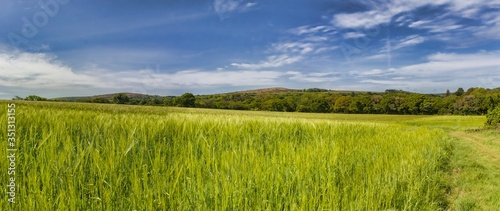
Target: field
103	157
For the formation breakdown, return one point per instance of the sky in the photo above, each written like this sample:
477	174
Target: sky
57	48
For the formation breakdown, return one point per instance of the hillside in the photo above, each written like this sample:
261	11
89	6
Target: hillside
108	97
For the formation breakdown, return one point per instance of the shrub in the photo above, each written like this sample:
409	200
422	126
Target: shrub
493	117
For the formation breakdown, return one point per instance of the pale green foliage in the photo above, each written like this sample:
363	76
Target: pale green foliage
113	157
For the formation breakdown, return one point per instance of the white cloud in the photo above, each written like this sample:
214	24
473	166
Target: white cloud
491	29
409	41
308	41
199	78
443	70
315	38
367	19
294	47
35	70
353	35
436	26
270	62
40	71
314	77
383	12
250	4
456	65
224	7
368	73
310	29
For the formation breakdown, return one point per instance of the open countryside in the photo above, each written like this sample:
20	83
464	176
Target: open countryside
229	105
75	156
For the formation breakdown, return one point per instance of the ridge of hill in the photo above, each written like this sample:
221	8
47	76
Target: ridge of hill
103	96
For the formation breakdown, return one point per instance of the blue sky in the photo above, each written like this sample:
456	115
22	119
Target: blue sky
57	48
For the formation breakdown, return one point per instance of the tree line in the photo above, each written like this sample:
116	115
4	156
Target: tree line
474	101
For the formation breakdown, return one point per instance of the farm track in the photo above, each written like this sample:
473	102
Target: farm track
479	144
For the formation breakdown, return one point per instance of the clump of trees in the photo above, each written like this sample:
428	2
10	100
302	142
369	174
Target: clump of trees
30	98
121	98
185	100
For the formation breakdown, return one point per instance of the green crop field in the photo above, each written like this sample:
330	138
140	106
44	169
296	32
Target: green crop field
74	156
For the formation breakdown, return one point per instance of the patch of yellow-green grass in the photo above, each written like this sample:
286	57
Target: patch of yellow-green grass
476	170
449	123
109	157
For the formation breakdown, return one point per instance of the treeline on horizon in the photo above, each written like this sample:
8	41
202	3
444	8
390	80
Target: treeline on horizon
474	101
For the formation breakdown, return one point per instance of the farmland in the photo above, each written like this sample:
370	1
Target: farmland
74	156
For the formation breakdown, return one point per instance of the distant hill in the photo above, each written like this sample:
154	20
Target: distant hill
136	96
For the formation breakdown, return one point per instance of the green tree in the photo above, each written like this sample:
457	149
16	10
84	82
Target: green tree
342	104
459	92
167	101
35	98
320	106
186	100
99	100
120	98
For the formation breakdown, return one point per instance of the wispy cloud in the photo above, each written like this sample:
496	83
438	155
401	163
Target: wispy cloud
305	41
384	11
225	7
301	30
294	47
409	41
314	77
367	19
271	62
353	35
491	29
436	26
442	70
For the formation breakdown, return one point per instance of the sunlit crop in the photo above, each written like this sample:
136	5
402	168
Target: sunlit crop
87	157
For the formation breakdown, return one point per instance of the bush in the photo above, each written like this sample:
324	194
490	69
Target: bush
493	117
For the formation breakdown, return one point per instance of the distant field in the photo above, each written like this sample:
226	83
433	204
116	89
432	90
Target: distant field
91	156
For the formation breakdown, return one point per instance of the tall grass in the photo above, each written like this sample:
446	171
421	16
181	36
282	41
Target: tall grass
83	158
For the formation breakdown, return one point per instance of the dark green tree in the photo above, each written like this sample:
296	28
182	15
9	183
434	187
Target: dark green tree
35	98
186	100
120	98
459	92
99	100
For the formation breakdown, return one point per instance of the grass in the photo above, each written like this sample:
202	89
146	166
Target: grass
476	171
75	156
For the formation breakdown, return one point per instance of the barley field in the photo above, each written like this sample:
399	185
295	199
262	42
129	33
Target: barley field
112	157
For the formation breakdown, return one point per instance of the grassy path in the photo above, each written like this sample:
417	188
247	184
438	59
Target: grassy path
476	171
479	143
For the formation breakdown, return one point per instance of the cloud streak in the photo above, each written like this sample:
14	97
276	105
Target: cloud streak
270	62
224	8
